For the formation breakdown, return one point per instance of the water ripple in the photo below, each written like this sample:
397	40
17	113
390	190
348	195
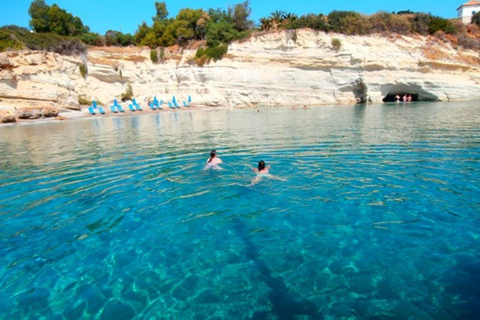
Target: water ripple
115	217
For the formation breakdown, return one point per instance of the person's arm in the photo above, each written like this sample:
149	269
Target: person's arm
220	160
277	178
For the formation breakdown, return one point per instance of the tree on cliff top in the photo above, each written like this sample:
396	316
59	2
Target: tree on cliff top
240	14
476	18
54	19
39	12
162	13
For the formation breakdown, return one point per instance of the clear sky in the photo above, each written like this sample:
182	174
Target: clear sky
102	15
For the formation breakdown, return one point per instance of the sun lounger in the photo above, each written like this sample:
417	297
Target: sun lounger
100	109
131	108
117	106
170	104
92	112
185	104
175	103
152	106
114	109
136	105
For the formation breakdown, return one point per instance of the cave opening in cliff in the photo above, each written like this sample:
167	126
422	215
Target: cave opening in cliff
390	97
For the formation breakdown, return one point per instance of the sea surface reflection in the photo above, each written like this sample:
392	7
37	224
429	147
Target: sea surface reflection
115	218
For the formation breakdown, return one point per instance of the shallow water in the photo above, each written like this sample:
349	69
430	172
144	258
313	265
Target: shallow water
114	218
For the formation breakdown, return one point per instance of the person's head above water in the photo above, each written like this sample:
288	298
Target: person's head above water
213	154
261	165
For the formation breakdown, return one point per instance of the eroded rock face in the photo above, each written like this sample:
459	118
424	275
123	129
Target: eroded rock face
267	69
7	117
37	113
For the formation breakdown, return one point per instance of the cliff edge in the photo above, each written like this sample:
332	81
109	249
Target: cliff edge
299	67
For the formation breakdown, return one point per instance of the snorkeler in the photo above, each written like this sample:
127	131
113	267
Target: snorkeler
213	161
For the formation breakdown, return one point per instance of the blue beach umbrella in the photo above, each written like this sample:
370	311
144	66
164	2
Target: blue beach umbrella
173	100
189	99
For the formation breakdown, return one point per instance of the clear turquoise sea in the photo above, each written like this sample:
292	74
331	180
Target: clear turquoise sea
115	218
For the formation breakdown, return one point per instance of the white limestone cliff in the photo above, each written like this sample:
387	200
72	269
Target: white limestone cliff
279	68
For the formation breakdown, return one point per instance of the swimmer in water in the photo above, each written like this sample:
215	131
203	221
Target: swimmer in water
213	161
263	171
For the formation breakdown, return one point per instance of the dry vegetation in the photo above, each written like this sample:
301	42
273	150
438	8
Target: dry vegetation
434	53
468	58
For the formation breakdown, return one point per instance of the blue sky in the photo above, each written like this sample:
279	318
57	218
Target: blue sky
101	15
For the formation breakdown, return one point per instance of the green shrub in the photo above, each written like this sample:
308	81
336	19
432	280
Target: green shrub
117	38
404	12
223	32
400	24
336	20
336	44
71	47
204	55
128	94
355	24
83	70
92	39
294	36
312	21
9	41
421	22
200	57
84	101
44	41
440	24
217	52
380	22
154	55
476	18
348	22
162	54
200	52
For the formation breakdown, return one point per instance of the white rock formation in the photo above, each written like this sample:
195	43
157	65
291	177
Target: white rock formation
279	68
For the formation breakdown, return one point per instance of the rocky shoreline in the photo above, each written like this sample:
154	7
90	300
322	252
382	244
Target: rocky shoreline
269	69
42	114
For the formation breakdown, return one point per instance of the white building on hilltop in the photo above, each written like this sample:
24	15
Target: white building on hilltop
467	10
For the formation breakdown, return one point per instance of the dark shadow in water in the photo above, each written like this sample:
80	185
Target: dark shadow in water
284	305
463	281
